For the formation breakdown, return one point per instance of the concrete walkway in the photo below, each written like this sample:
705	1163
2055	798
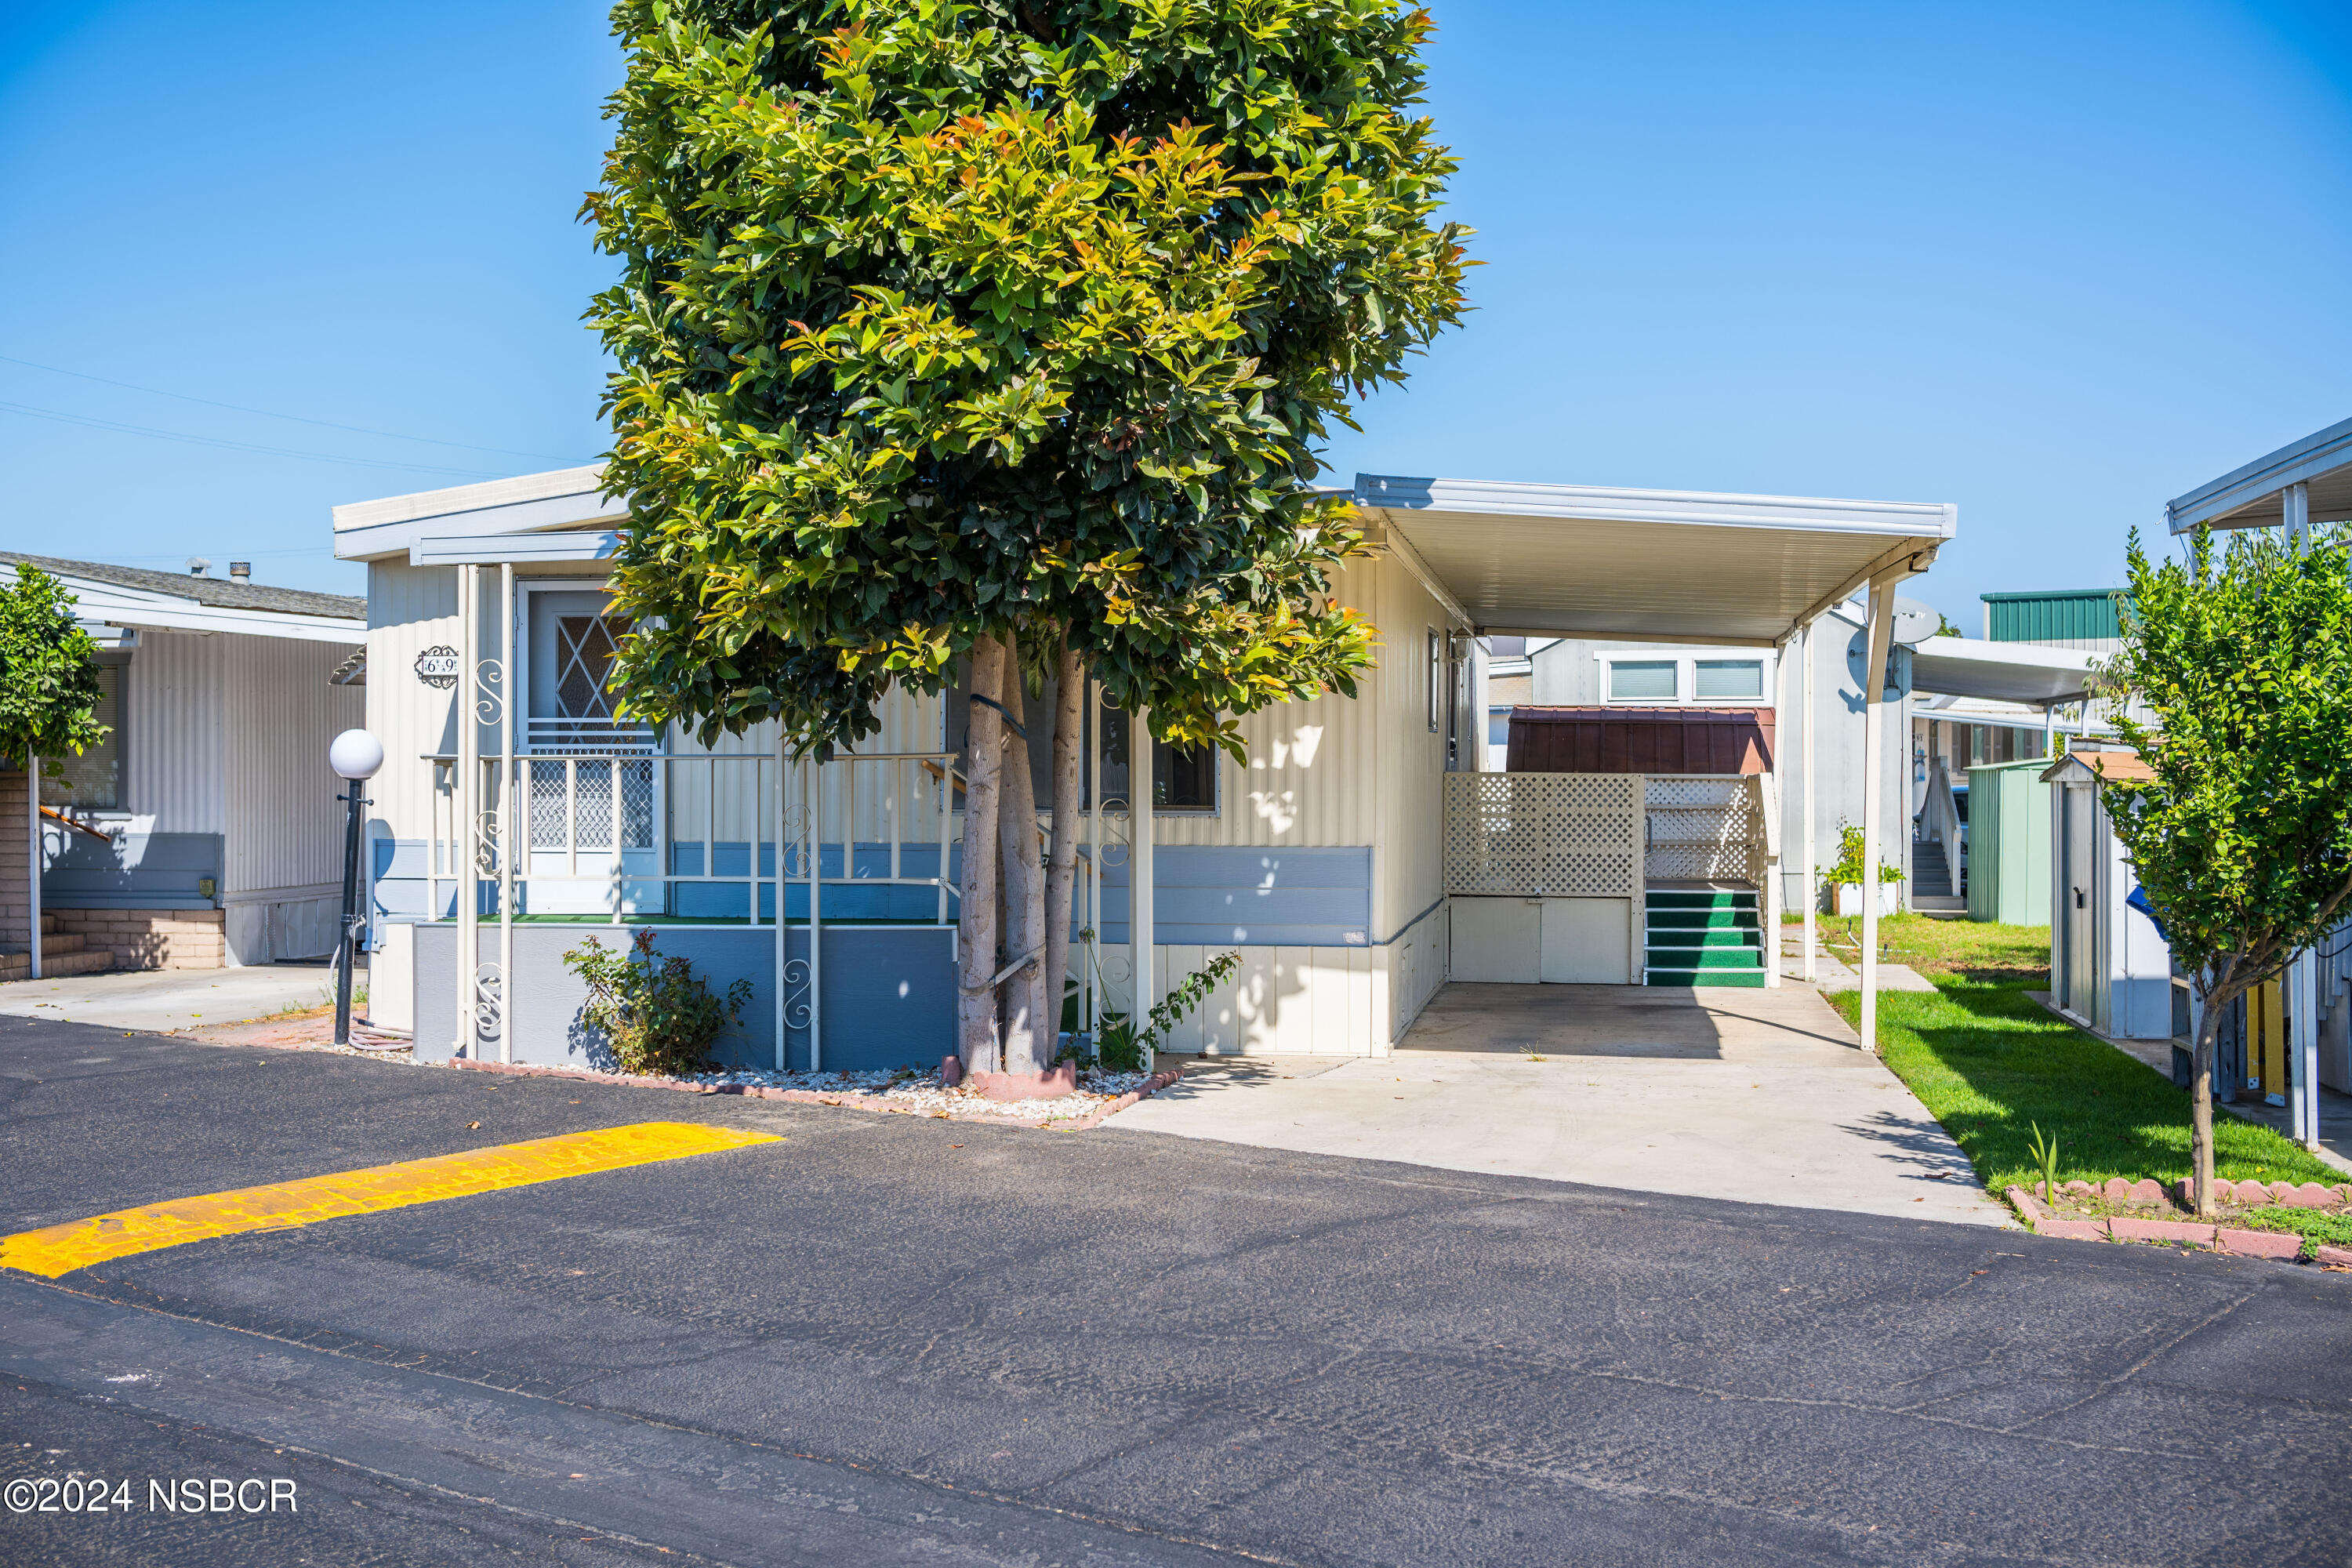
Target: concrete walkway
160	1000
1761	1096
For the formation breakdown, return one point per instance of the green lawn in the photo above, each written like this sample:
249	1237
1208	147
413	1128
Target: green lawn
1990	1062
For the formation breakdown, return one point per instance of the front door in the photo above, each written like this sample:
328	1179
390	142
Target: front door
589	770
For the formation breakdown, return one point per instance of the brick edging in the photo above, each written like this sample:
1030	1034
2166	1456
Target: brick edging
839	1098
2283	1245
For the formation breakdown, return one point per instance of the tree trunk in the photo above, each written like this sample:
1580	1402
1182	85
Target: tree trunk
1028	1033
976	1036
2217	998
1062	865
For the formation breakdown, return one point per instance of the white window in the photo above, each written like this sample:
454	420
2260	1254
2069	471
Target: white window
1643	680
1696	676
92	781
1727	679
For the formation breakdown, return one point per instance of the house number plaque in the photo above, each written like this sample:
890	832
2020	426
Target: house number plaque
436	667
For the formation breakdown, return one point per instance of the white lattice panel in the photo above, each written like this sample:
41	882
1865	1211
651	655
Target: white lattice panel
1543	834
1706	829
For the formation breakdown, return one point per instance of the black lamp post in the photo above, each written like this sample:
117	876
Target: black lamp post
355	756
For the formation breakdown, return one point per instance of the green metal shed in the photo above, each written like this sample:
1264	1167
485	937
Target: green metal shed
2008	843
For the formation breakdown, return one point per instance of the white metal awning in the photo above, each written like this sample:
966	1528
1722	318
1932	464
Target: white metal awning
1653	565
2000	671
2308	480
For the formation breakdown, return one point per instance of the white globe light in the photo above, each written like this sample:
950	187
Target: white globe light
355	755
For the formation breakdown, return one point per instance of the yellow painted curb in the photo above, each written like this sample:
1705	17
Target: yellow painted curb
61	1248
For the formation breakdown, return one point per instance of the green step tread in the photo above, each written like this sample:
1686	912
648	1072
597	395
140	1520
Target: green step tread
1666	899
1703	958
1745	978
1717	936
1702	919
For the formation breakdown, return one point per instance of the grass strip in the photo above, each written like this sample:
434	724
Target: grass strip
2331	1227
1990	1062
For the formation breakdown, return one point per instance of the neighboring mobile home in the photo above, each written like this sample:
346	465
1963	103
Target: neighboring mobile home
205	831
1333	859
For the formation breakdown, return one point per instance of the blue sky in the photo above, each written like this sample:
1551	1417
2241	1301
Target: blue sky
2053	263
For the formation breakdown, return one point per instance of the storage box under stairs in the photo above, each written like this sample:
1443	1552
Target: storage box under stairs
60	955
1701	935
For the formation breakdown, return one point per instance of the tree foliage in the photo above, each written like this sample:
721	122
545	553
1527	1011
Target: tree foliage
48	679
942	319
2243	839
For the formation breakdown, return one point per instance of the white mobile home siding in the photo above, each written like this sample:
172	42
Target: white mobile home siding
172	780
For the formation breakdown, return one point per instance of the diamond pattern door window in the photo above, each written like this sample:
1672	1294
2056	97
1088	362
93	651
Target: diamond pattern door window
584	646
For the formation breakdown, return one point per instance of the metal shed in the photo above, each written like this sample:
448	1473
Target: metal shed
1732	741
2008	843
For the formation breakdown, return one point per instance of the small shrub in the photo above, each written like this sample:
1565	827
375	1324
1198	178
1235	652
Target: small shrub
1123	1049
1848	866
658	1017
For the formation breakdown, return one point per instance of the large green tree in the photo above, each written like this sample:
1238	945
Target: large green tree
49	677
1004	333
2243	839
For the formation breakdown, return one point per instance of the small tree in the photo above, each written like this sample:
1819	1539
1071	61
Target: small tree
1004	330
48	681
2243	839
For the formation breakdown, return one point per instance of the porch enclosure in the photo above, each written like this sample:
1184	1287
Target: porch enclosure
1612	878
828	882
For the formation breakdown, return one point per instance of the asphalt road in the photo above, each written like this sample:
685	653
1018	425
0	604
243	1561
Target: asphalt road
886	1340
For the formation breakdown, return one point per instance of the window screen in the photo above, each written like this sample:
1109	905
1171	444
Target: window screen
1729	677
1650	679
1183	778
93	780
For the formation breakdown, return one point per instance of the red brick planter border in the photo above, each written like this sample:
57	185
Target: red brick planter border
1092	1119
2218	1238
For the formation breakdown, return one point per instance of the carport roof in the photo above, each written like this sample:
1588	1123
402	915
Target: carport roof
2000	671
1649	566
2254	496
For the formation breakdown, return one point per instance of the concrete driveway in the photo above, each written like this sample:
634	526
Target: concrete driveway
161	1000
1755	1096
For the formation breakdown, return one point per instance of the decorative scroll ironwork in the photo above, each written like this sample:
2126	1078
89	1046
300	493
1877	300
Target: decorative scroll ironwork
796	995
490	1001
489	691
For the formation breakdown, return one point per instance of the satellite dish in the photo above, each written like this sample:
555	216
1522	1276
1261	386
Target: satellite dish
1915	623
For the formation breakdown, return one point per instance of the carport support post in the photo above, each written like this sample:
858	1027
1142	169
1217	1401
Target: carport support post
2303	1076
1873	791
1805	781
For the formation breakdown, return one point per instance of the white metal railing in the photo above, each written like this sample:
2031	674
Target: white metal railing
577	818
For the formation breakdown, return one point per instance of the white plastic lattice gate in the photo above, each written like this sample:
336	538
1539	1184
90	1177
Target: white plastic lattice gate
1702	829
1544	835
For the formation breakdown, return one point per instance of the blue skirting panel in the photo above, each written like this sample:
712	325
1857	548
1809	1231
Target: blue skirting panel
889	991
